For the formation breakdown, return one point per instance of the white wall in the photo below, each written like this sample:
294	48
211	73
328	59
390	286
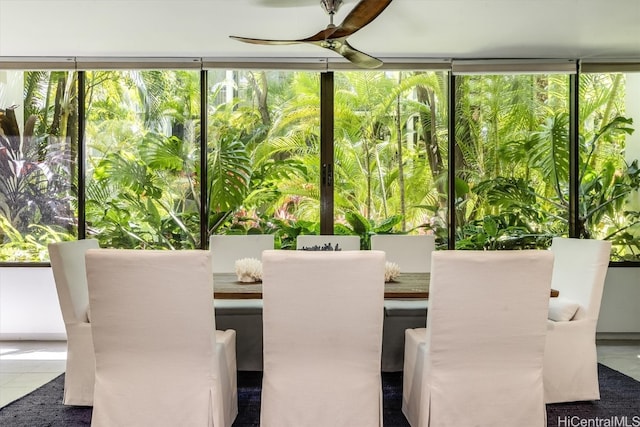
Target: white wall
29	304
620	309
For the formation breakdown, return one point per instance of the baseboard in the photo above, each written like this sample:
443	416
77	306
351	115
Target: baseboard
618	336
33	337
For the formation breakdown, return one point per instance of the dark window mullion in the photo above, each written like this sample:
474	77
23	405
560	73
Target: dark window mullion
81	169
574	157
204	173
327	170
451	165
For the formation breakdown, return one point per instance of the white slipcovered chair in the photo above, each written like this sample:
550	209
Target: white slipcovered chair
159	359
479	361
242	315
226	249
344	243
322	338
412	253
67	265
570	358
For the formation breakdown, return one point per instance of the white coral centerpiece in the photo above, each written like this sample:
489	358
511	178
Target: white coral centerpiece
249	270
391	271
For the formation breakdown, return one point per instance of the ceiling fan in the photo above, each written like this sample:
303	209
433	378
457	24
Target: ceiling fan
335	37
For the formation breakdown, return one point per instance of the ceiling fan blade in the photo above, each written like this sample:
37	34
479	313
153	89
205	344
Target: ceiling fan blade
334	38
352	54
265	41
319	36
359	58
362	14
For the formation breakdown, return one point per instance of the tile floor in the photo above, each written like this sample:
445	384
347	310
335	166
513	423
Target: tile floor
26	365
623	356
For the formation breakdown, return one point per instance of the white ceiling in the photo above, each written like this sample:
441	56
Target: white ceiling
458	29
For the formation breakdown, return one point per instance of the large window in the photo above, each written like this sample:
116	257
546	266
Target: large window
609	172
263	153
391	152
156	155
512	160
38	152
142	183
388	166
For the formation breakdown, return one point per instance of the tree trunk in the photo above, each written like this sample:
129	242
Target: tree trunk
429	136
261	88
403	208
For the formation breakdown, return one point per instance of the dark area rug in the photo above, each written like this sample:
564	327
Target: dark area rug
619	404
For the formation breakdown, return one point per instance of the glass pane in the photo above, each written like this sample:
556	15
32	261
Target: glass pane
263	153
609	156
38	154
512	160
142	179
391	153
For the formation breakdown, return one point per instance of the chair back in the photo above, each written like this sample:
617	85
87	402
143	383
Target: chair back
154	337
69	273
486	329
226	249
412	253
579	272
345	243
322	332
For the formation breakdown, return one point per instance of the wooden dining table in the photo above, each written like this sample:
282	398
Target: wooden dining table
405	286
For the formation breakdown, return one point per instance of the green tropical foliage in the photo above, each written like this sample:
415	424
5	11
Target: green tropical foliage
143	182
143	128
36	171
514	146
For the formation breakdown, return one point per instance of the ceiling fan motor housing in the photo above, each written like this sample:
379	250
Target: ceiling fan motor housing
331	6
